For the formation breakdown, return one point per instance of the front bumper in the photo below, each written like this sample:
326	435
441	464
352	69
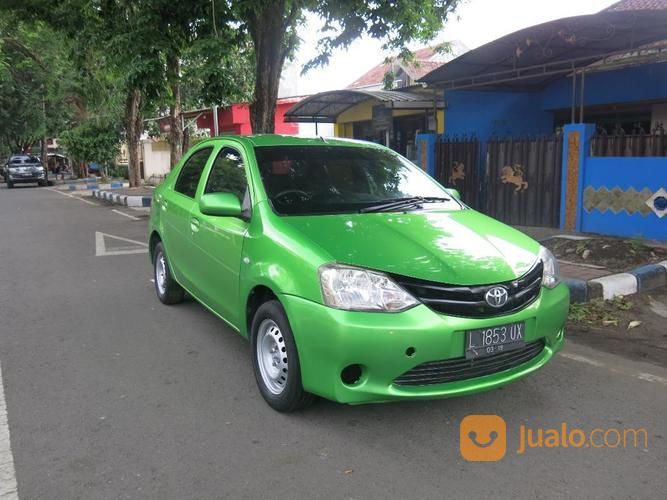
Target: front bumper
31	179
328	340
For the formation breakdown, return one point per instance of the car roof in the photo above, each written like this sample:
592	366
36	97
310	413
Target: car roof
261	140
22	157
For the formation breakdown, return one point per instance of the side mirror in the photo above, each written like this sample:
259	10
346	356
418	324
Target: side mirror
455	193
220	204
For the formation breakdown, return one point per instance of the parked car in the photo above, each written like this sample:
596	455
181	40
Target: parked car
355	276
21	169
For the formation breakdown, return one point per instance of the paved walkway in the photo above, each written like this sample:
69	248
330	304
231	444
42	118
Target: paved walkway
138	191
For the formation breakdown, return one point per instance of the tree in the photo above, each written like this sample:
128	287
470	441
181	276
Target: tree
93	141
273	27
31	99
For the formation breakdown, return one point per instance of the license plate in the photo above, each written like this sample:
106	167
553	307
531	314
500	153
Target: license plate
495	340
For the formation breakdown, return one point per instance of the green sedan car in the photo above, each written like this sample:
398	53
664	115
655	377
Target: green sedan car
355	276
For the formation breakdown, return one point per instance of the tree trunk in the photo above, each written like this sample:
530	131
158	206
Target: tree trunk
268	28
134	128
44	151
186	140
175	130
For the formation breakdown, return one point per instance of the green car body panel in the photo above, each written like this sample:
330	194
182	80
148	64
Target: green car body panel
223	261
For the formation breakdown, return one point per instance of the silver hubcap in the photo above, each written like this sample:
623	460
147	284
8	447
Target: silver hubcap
271	355
161	274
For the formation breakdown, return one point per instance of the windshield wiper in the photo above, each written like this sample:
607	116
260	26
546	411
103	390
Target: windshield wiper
403	203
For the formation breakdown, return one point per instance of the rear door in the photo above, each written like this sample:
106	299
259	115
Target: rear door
218	241
177	204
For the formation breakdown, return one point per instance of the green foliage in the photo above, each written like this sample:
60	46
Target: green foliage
388	80
93	141
31	96
599	312
396	23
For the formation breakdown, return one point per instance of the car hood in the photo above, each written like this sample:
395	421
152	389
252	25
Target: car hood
458	247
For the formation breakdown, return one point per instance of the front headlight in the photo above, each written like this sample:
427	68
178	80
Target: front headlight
551	273
355	289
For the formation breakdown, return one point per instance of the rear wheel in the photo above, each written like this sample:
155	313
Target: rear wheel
167	290
276	360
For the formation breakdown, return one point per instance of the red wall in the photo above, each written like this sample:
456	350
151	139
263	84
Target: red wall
235	119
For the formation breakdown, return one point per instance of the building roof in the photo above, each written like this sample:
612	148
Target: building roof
425	60
538	55
325	107
624	5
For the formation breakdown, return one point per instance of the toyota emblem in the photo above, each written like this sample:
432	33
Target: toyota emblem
496	296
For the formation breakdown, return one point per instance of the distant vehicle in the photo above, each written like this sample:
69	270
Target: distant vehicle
23	169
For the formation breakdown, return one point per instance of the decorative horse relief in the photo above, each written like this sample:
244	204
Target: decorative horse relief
514	175
457	172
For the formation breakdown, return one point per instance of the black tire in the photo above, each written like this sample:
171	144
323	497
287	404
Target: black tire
41	183
172	292
293	397
10	185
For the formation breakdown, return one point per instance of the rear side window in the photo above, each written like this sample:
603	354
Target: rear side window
188	179
227	174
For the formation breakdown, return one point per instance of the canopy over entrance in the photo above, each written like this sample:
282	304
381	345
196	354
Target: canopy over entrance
325	107
534	57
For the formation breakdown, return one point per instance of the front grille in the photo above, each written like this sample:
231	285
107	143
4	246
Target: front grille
451	370
469	301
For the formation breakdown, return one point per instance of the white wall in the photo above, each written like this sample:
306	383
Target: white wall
323	130
156	156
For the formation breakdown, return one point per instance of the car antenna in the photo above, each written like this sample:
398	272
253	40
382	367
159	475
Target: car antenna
323	140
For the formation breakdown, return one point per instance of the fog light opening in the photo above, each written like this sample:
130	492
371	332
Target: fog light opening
351	374
410	351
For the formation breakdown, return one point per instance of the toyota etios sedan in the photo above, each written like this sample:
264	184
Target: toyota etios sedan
355	276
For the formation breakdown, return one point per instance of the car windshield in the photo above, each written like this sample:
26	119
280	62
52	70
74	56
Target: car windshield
23	159
302	180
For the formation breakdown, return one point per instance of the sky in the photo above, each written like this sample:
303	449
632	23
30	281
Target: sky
476	22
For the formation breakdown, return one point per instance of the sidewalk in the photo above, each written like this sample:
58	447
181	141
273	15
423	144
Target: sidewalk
588	281
129	197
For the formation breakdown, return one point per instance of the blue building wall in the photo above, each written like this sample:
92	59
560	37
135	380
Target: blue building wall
489	113
641	83
621	196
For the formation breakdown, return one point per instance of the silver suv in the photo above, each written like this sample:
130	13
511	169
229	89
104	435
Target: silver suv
24	169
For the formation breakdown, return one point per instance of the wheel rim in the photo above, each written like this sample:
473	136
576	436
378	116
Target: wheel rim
271	353
161	273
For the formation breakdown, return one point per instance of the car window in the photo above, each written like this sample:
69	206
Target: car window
227	174
328	179
188	179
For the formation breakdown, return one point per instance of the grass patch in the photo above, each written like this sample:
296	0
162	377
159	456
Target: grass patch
600	312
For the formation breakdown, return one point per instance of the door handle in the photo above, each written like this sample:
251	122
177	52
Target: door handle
194	224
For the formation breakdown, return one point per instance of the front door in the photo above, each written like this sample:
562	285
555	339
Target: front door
217	242
177	205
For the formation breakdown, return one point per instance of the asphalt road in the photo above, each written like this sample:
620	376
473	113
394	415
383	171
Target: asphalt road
110	394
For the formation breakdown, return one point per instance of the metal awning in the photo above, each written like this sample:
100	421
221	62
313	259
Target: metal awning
534	57
325	107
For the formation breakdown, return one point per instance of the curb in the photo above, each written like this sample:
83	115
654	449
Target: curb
120	199
92	185
643	278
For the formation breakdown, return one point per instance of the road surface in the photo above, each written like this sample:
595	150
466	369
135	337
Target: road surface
110	394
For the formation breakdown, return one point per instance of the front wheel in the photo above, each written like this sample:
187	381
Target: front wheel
168	291
275	359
